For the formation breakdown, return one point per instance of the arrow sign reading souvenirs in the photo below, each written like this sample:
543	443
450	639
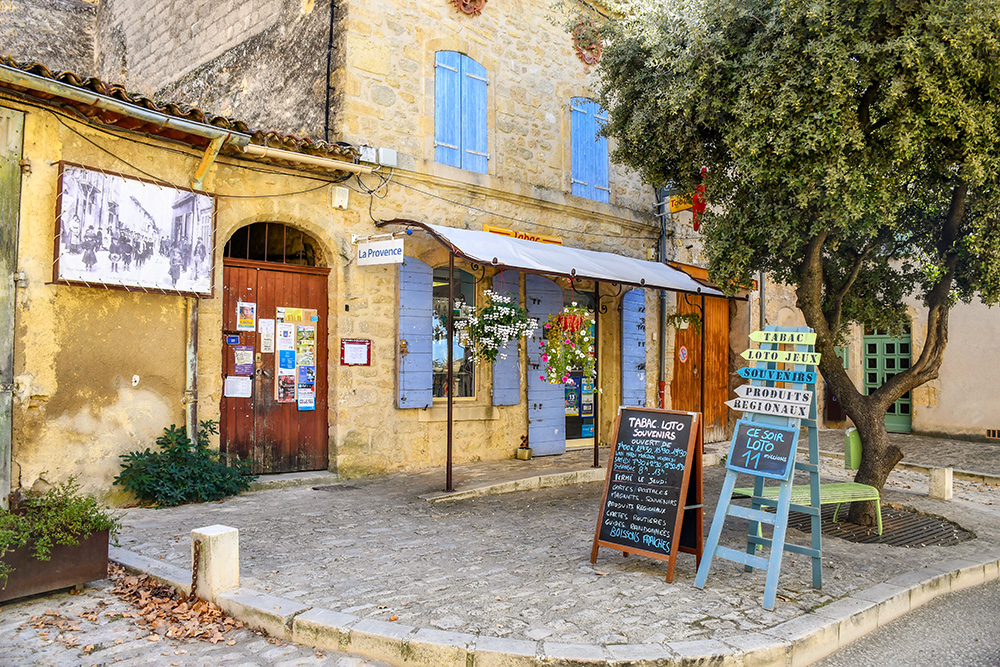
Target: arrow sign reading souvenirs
784	337
797	396
782	356
770	408
772	375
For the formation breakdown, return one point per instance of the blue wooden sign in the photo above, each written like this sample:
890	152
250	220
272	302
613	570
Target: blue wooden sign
232	340
763	449
772	375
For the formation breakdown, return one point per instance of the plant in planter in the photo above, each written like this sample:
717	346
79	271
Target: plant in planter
496	324
54	540
569	344
683	320
183	471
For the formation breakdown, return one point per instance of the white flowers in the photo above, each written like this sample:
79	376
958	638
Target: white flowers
496	324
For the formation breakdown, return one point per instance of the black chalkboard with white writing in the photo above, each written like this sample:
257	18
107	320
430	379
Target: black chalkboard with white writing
762	449
648	489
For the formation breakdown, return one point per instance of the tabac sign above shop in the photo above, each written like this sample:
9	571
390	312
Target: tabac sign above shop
380	252
517	234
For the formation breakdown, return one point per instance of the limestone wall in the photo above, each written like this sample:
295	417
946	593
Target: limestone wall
56	33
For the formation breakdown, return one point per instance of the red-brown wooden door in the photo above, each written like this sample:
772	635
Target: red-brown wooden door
278	437
685	389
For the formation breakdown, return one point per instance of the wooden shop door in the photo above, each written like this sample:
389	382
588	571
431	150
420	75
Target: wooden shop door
685	389
277	433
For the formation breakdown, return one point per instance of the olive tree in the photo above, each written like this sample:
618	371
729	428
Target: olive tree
852	150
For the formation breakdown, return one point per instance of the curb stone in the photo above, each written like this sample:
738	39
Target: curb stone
799	641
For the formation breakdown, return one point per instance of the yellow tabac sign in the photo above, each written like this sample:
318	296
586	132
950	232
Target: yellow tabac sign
784	337
517	234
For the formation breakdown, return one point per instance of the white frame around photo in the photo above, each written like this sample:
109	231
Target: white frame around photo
121	232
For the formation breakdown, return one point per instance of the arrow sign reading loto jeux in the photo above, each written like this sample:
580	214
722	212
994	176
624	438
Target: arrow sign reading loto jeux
796	396
782	356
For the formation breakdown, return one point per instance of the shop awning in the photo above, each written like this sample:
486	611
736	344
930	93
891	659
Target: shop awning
503	251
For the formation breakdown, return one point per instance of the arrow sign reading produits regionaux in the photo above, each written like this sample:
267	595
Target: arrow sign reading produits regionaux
770	408
773	375
782	356
784	337
796	396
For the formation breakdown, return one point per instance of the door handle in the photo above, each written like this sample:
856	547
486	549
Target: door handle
264	372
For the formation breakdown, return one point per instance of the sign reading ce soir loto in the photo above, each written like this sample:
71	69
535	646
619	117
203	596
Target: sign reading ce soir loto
380	252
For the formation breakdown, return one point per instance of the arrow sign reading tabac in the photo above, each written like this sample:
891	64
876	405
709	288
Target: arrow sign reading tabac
784	337
796	396
769	408
782	356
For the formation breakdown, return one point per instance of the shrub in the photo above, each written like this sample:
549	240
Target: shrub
60	516
183	471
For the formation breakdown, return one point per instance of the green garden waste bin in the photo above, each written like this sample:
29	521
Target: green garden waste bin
852	449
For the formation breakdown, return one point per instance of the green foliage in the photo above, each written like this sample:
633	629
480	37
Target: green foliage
858	125
59	516
183	471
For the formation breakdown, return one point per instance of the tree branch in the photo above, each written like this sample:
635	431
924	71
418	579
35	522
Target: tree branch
838	298
864	108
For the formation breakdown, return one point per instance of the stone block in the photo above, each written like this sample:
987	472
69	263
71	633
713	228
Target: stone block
856	618
176	577
323	628
941	483
272	614
572	655
924	585
812	638
760	650
430	646
706	653
215	555
640	655
964	573
381	640
503	652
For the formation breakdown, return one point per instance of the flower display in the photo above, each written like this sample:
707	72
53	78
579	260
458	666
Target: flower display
496	324
569	344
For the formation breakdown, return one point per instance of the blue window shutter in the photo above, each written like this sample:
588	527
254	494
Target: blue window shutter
447	108
602	191
507	372
589	152
634	348
474	147
546	402
416	328
579	149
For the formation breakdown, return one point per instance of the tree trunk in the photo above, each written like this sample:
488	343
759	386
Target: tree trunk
879	458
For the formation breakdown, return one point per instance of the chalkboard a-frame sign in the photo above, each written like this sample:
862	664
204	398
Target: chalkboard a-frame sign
652	502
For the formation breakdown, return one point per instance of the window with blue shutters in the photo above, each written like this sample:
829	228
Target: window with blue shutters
589	150
460	112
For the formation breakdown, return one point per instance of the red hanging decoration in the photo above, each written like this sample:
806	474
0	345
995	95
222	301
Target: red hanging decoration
698	202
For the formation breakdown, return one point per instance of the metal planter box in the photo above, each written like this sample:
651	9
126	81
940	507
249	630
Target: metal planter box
69	565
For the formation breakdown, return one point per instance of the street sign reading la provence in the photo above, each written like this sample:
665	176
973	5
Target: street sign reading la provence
380	252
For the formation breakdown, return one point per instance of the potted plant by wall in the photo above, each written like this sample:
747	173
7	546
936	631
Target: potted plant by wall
684	320
497	323
53	540
569	344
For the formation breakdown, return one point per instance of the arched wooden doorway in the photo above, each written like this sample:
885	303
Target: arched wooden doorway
274	350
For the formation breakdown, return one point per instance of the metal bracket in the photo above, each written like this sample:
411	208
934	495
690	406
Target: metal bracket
207	161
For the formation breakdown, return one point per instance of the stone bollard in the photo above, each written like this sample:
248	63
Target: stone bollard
941	483
215	561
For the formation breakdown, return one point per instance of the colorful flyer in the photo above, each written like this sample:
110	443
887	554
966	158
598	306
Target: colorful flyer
573	397
285	337
246	316
307	397
244	360
587	398
286	362
266	327
307	374
285	389
293	314
305	345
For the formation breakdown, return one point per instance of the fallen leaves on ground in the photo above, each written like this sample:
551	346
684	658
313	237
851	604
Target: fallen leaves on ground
162	611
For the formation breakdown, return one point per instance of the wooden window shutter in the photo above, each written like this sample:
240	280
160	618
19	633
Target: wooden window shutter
507	372
634	348
447	108
414	347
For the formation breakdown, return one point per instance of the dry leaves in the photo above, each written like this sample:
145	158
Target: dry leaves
162	611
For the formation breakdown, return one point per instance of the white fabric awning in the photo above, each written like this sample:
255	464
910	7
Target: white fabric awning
504	251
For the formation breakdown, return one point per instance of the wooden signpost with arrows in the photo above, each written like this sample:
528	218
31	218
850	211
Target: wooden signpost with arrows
764	446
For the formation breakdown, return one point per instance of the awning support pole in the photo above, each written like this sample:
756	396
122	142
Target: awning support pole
597	373
704	330
451	361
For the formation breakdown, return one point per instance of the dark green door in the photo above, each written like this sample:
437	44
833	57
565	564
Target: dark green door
884	357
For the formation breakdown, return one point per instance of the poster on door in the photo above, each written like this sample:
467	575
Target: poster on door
305	345
587	398
243	360
573	397
285	389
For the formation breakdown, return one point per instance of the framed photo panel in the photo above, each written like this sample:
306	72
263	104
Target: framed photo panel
122	232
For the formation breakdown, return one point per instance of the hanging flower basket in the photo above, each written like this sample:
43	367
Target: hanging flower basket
684	320
569	345
496	324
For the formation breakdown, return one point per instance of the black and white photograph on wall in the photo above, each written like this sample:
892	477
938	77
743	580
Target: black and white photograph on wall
122	232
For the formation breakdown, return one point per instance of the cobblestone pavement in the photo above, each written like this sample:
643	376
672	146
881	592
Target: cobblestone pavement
517	565
89	629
